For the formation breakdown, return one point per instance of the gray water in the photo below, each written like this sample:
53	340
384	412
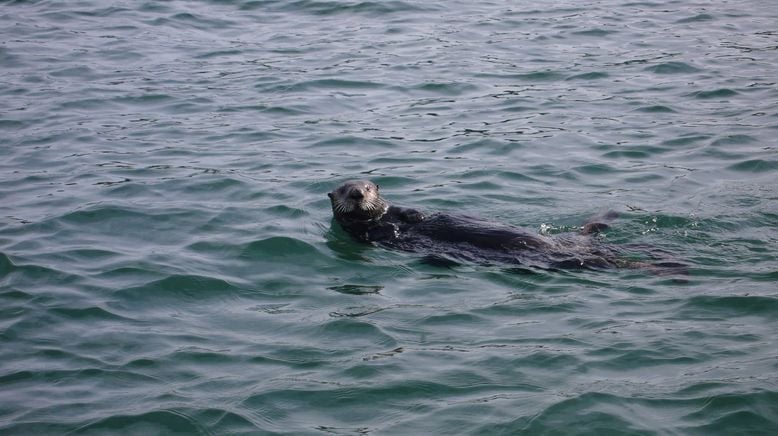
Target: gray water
168	263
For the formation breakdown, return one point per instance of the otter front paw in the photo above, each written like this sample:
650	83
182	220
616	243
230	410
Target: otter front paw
412	216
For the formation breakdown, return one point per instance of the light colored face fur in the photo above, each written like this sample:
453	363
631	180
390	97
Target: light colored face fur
357	199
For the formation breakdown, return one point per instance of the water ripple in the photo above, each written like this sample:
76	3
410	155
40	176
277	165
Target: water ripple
169	263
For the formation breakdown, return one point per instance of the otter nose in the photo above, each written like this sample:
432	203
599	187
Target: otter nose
356	195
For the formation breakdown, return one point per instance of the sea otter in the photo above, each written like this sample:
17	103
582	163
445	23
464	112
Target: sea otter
448	239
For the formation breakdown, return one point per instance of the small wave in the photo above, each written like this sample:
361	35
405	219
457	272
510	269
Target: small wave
177	289
672	68
370	8
734	140
89	314
351	332
278	247
728	307
755	166
595	75
696	18
151	422
452	88
716	93
654	109
595	32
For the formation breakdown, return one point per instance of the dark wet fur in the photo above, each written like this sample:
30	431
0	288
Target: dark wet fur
448	239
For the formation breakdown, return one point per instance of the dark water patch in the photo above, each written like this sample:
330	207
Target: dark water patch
452	319
771	276
598	413
641	358
232	422
42	275
655	109
149	422
644	178
65	377
734	140
747	413
328	8
685	140
519	108
595	32
247	135
717	93
285	211
533	76
116	221
672	68
12	124
122	273
357	289
515	176
522	306
178	289
359	311
6	265
278	247
204	357
14	296
86	255
729	307
303	355
103	12
282	111
452	88
79	72
220	54
351	140
755	166
90	314
596	75
549	360
636	152
697	18
742	422
327	84
221	185
143	99
351	332
185	20
9	59
187	107
595	169
473	146
483	185
352	404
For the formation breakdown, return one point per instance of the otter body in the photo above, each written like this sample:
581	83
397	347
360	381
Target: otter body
446	238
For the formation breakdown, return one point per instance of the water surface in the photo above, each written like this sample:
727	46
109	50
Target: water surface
167	257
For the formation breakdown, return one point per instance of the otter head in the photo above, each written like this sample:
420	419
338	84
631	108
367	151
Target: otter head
357	200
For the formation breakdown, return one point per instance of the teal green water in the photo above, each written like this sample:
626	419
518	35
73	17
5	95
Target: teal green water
168	262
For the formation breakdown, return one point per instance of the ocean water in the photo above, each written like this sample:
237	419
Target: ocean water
168	262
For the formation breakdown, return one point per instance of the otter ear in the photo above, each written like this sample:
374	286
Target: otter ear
329	194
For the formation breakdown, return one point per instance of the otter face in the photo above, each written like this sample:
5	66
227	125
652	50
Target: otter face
357	200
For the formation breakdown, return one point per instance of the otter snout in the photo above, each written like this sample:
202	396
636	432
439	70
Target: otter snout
356	194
